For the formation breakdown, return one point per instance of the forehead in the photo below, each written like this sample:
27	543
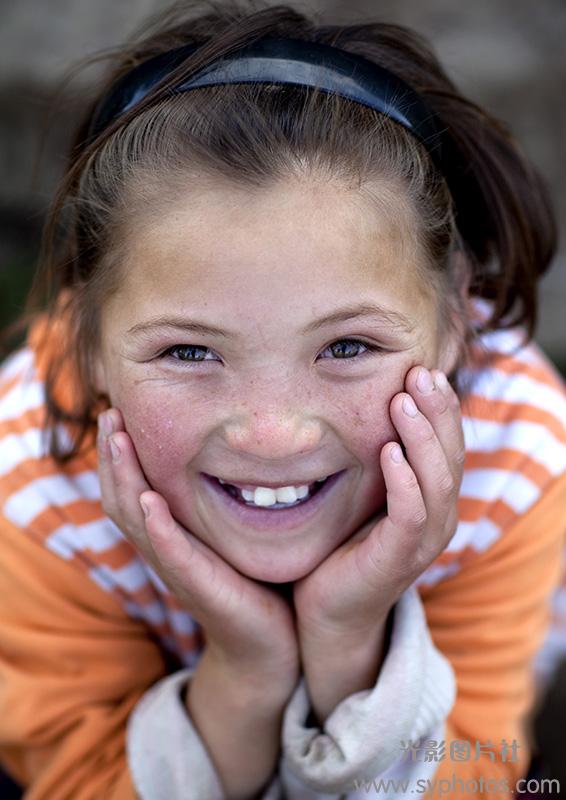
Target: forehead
311	234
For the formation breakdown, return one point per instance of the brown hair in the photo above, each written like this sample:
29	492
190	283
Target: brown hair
493	211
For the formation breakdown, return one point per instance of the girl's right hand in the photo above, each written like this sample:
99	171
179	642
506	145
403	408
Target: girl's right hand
249	628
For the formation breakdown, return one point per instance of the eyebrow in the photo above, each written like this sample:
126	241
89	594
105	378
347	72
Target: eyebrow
393	318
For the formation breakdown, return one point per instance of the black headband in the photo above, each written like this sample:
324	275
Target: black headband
283	61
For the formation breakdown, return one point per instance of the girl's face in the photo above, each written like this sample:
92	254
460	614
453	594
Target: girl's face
222	349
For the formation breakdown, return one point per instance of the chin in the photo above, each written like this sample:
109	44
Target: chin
276	573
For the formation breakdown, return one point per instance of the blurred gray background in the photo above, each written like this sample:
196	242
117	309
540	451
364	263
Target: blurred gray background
508	55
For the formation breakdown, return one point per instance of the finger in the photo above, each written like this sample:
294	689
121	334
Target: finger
105	471
129	483
216	594
457	441
391	548
441	406
122	482
427	460
186	565
428	456
130	487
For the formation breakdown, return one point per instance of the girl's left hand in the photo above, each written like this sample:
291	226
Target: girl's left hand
352	591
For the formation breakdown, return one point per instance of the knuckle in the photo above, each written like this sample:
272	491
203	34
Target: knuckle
452	521
426	435
443	406
460	457
107	506
454	402
418	518
446	485
409	483
423	558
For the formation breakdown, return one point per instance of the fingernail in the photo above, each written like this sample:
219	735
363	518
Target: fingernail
144	508
105	422
424	381
409	407
441	381
115	450
396	454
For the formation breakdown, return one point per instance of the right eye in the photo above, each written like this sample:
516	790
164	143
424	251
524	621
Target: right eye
188	353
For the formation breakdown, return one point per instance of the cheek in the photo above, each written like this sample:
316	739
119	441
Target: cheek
165	435
168	435
366	422
370	429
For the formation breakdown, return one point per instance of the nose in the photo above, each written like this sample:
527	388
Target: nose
270	434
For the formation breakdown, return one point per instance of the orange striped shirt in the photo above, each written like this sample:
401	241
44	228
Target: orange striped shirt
89	625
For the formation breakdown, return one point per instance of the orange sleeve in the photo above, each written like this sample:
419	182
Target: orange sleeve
489	620
72	667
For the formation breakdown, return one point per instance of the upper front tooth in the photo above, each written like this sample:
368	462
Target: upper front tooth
288	494
264	496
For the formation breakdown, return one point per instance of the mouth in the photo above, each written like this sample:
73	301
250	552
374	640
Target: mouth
276	499
276	515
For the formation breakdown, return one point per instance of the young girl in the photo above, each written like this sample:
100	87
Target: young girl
282	469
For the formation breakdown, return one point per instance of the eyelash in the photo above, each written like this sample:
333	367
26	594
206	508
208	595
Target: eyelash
166	354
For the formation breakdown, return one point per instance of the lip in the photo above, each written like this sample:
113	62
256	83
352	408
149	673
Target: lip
263	519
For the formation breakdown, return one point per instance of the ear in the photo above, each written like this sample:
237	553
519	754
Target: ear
449	352
450	349
462	272
99	375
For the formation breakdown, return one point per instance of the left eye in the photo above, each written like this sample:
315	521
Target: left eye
344	349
